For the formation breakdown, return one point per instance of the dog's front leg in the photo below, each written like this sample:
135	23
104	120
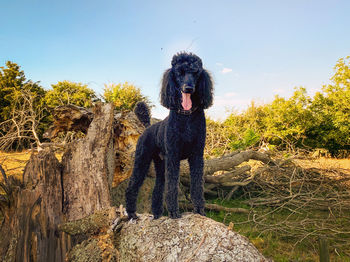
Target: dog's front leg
196	163
172	183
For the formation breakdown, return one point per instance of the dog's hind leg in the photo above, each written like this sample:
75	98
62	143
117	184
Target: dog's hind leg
158	191
142	162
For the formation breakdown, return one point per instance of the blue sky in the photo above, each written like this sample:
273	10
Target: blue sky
254	49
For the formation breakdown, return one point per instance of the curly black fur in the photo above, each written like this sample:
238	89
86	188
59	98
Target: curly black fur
142	112
180	136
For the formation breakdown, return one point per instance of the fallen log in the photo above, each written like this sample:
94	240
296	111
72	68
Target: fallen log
217	208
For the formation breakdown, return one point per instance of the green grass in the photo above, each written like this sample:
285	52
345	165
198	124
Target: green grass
274	244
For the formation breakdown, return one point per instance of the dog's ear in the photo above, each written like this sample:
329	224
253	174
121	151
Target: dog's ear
205	89
168	93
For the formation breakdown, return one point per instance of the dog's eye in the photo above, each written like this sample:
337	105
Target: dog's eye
178	73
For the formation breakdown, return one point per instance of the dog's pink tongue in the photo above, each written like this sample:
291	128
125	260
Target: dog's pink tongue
186	101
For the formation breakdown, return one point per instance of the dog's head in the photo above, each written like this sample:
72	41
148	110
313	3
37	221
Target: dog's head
186	84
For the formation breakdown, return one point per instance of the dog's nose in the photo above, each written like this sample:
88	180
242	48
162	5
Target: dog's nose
188	89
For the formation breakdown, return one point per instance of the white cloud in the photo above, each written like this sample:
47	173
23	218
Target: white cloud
226	70
219	64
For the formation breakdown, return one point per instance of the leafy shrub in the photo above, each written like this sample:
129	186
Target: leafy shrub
300	121
249	139
124	96
70	93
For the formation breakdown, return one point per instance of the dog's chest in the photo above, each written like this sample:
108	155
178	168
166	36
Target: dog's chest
188	132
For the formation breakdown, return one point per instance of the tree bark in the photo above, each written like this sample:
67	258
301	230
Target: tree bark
29	231
53	193
88	167
69	118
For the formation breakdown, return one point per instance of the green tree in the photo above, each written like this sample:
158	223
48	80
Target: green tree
23	117
12	83
299	121
66	92
331	111
286	120
124	96
283	122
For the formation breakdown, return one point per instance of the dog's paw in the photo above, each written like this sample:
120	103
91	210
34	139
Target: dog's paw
174	214
199	211
132	216
156	216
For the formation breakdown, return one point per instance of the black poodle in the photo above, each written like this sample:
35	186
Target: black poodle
187	90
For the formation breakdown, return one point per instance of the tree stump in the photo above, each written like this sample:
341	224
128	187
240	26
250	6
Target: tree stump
30	228
88	167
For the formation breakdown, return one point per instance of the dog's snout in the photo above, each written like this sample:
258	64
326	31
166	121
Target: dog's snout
188	89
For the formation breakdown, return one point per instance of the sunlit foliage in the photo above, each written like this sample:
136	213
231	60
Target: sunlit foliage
123	95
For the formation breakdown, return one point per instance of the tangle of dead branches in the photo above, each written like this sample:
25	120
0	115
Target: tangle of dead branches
301	205
21	129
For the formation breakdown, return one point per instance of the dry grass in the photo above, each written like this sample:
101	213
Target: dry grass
333	168
14	163
342	165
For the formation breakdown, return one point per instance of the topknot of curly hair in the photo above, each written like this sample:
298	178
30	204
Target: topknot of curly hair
183	57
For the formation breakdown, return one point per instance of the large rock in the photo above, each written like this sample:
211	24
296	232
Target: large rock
191	238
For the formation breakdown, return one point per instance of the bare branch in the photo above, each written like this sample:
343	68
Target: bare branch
23	124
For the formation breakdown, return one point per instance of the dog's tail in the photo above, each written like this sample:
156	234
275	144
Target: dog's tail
142	112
